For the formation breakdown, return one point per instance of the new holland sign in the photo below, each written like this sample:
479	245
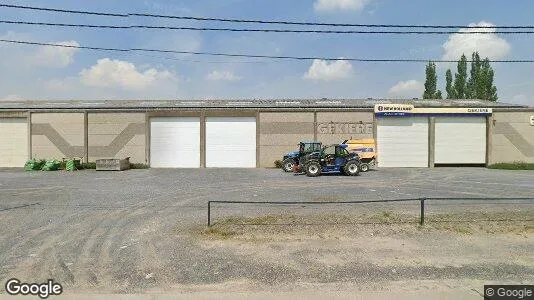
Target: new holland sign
394	109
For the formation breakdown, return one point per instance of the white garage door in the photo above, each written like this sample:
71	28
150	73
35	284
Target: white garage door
13	142
231	142
402	142
175	142
460	140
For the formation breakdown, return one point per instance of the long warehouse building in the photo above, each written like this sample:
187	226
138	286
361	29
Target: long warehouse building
255	133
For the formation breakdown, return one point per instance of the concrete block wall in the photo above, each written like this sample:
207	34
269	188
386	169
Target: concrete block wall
335	127
511	137
117	135
57	135
281	132
101	135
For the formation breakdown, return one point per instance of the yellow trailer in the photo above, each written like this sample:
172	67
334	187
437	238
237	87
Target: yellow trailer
366	149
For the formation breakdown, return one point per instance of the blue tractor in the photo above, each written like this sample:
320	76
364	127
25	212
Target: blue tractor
291	159
330	159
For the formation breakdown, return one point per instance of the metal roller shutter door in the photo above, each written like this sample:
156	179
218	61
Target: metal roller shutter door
231	142
175	142
460	140
402	142
13	142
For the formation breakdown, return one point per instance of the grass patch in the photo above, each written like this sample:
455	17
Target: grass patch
218	232
386	217
261	220
518	165
460	229
289	227
139	166
88	166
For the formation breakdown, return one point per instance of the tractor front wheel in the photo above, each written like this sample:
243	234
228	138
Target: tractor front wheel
352	168
287	164
313	169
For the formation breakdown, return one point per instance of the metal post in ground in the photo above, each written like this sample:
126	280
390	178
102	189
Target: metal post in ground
209	213
422	221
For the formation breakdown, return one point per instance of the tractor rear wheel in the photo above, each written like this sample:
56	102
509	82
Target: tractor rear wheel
352	168
313	169
287	164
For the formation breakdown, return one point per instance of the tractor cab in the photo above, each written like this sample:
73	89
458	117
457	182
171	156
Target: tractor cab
291	159
330	159
334	156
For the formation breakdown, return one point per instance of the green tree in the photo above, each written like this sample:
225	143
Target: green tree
431	82
490	90
460	79
481	82
473	88
449	88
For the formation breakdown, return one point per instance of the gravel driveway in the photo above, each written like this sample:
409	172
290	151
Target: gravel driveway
143	231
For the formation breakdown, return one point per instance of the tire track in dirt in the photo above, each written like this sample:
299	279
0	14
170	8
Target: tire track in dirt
31	258
94	262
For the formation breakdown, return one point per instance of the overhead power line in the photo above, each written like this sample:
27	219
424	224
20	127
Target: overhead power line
84	12
257	30
145	50
332	24
228	20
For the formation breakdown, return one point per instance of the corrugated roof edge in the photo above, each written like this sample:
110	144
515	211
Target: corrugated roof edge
245	103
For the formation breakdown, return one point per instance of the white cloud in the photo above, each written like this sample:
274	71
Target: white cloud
223	76
55	57
323	70
409	88
340	5
12	97
60	85
123	74
488	44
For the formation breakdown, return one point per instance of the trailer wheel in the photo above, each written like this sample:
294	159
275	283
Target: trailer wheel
352	168
287	164
313	169
364	167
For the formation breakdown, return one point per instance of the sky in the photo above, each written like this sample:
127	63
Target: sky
49	73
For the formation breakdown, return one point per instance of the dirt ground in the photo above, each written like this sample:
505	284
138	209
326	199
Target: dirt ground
387	251
144	233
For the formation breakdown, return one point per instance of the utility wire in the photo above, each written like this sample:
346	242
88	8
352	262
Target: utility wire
203	61
333	24
126	15
84	12
64	46
251	55
258	30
